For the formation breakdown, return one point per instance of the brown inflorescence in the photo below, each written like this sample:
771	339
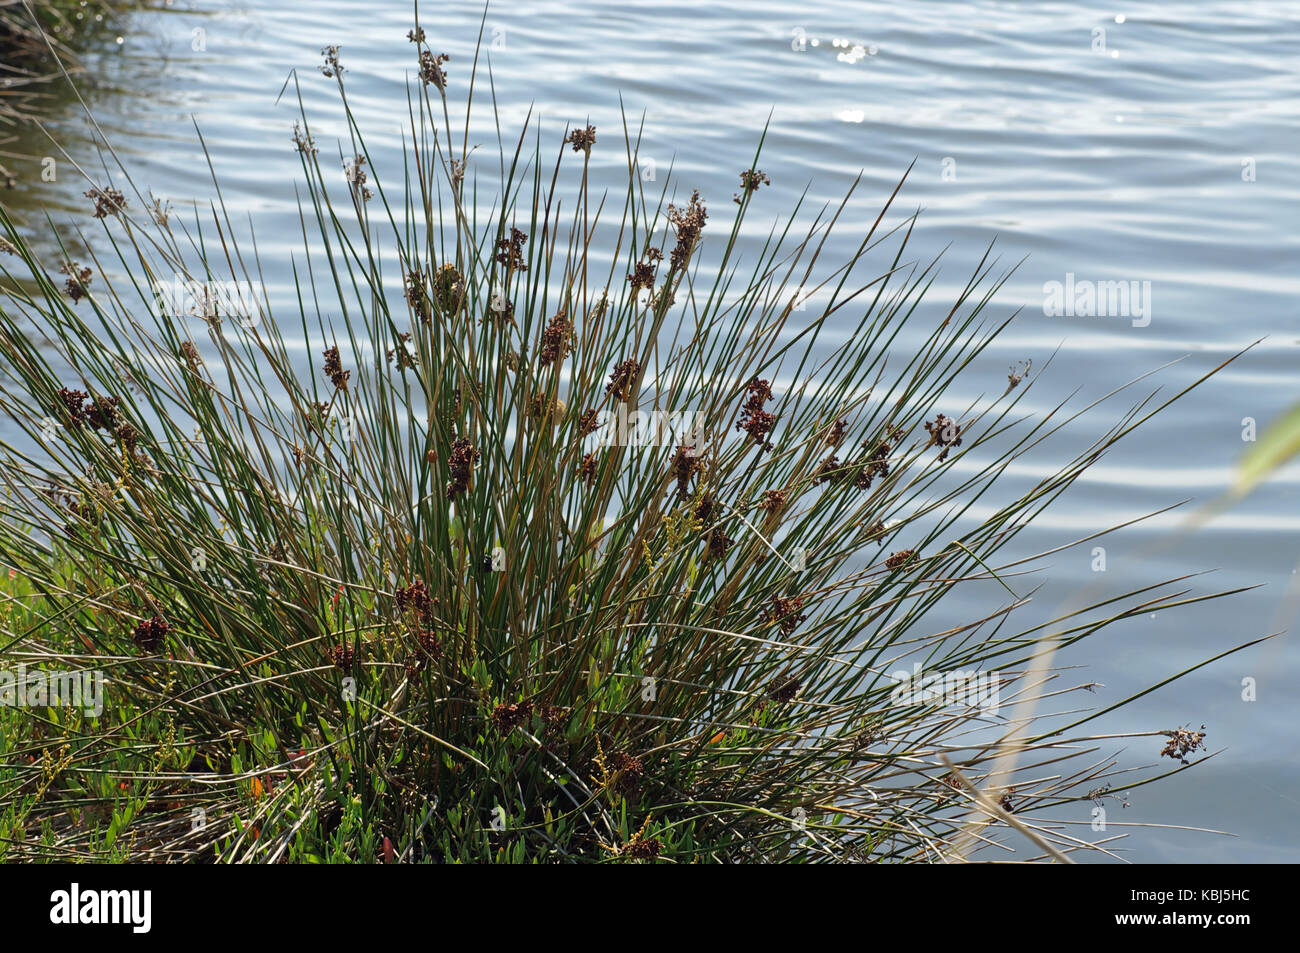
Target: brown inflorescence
461	465
108	201
588	422
945	432
334	369
431	70
719	543
786	613
622	379
505	718
150	633
1182	742
510	251
626	772
750	180
685	466
642	276
900	558
587	471
754	420
555	339
416	599
688	222
582	139
78	283
784	691
342	657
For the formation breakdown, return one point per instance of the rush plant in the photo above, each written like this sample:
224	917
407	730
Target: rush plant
430	587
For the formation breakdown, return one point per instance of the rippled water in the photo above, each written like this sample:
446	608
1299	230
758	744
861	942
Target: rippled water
1162	149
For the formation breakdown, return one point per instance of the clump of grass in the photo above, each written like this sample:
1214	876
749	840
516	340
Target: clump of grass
412	596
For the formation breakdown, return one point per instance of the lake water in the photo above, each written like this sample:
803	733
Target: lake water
1150	143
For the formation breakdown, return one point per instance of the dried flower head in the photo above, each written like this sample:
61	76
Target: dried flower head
786	613
102	413
506	717
719	543
402	353
641	848
556	340
772	501
587	471
73	405
622	379
78	283
108	201
191	355
686	465
342	657
331	67
355	172
415	598
510	250
643	275
625	772
302	141
750	180
945	432
448	287
754	420
582	139
688	222
784	691
1182	742
588	422
150	633
334	369
900	558
431	70
461	464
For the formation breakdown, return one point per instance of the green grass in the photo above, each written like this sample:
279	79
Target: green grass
622	656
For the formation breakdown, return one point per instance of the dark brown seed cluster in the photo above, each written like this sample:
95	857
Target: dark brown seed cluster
431	70
510	251
705	509
415	598
643	275
416	35
428	649
945	432
150	633
102	413
688	222
786	613
582	139
772	501
78	283
785	691
342	657
99	413
417	295
622	379
900	558
588	422
641	848
448	287
191	354
719	543
587	471
505	718
461	464
403	353
750	180
754	420
73	401
626	772
107	201
331	67
556	339
334	369
836	436
1182	742
686	465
